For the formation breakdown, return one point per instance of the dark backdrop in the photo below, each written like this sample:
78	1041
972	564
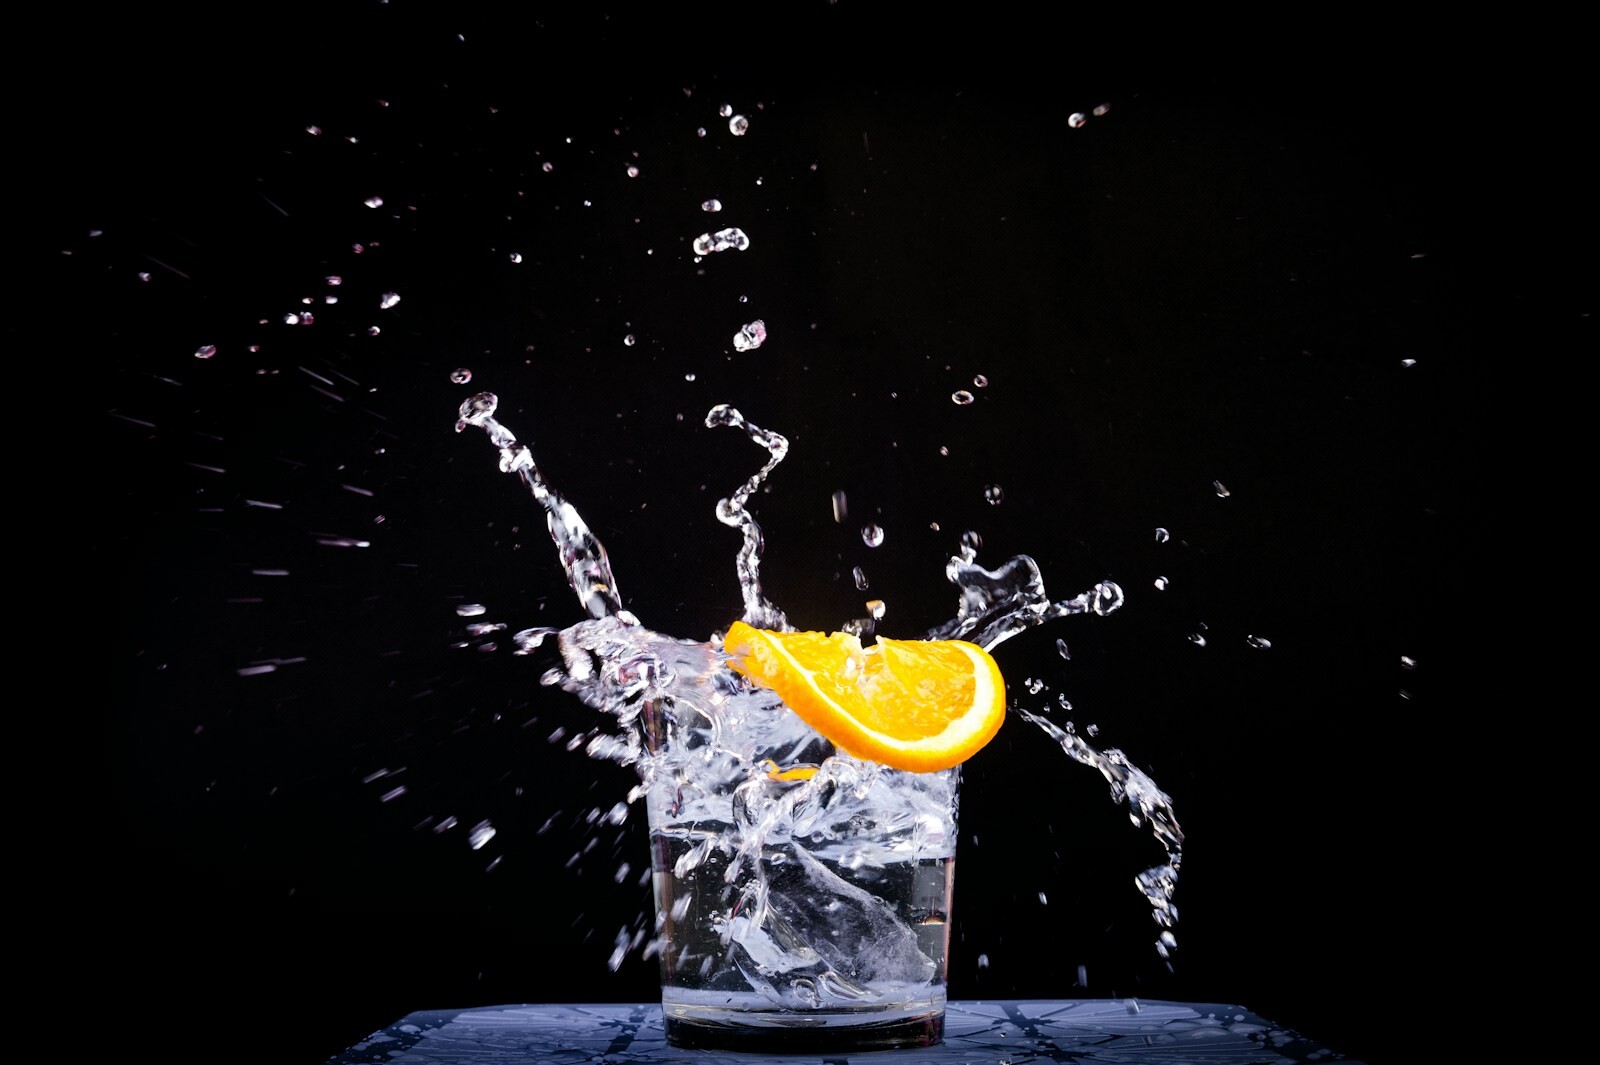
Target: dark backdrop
1222	280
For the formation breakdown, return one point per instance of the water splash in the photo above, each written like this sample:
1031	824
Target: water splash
758	611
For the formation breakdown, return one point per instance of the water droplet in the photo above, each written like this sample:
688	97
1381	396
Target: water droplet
871	535
547	167
471	610
961	397
1261	643
1131	1005
1221	489
630	340
1093	730
314	130
1101	110
933	525
701	132
1042	900
1161	584
373	201
516	256
205	351
994	495
1197	639
876	608
970	543
633	171
725	110
1407	662
722	240
980	381
291	319
1077	119
860	577
461	375
1105	598
1162	536
144	275
481	833
1408	362
1061	649
688	377
1066	704
334	280
389	300
983	961
1035	686
841	506
711	206
750	336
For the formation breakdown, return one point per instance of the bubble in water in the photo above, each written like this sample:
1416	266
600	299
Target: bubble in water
547	167
373	201
1260	643
389	300
876	608
1161	584
1407	662
871	535
841	506
205	351
737	125
711	206
1221	489
1077	119
961	397
1061	649
1101	110
721	240
994	495
725	110
860	576
461	375
1162	536
980	381
630	340
633	171
750	336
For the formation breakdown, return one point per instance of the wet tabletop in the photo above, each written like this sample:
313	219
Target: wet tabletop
1014	1031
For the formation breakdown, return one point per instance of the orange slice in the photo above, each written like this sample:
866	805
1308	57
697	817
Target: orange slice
920	705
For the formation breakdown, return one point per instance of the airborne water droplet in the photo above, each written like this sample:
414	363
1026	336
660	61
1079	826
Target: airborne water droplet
725	110
1197	639
860	577
389	300
871	535
471	610
633	171
750	336
1221	489
1077	119
980	381
1260	643
547	167
994	495
205	351
737	125
1061	649
1101	109
1407	662
461	376
711	206
876	608
961	397
373	201
1162	536
841	506
630	340
1161	584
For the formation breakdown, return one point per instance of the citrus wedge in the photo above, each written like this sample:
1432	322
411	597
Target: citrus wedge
919	705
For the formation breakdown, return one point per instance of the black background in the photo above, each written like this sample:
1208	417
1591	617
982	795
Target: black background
1216	281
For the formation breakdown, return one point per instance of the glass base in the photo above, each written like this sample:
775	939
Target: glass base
702	1028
